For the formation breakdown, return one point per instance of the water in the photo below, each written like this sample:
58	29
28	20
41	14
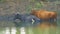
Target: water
39	29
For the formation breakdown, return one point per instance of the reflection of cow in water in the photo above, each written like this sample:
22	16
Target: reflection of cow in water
26	19
47	25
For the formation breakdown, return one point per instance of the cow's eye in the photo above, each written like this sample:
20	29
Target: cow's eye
33	21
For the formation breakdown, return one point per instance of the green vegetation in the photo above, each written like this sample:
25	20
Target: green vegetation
1	1
36	5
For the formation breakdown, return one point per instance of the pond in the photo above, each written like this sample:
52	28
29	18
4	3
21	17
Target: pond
9	28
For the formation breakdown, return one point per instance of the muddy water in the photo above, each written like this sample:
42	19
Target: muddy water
43	28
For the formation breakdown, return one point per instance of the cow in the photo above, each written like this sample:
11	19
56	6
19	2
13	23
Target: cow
44	14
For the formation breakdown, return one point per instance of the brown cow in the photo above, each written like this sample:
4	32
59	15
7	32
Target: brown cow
43	14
